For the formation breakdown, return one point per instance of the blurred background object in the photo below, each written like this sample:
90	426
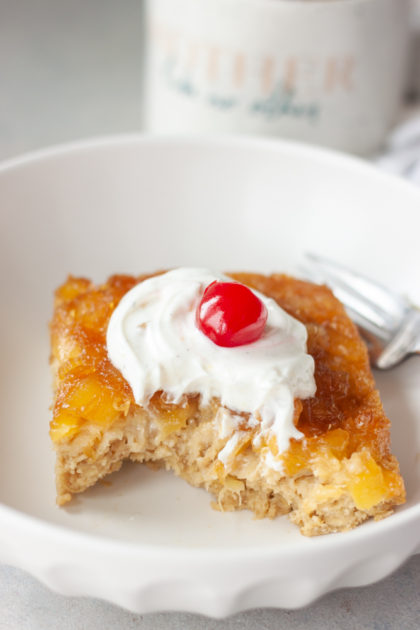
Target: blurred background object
414	51
75	69
325	72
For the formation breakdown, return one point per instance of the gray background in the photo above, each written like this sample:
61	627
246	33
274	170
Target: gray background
68	69
71	69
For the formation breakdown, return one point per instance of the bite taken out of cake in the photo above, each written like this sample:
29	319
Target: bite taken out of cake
256	388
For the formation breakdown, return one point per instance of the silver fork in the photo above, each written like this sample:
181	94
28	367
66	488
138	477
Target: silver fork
388	322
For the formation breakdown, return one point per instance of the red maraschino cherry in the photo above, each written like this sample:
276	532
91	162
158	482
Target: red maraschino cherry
230	314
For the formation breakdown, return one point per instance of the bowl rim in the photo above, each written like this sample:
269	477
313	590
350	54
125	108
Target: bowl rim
205	141
17	519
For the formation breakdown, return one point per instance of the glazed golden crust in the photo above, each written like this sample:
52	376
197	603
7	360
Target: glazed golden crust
339	475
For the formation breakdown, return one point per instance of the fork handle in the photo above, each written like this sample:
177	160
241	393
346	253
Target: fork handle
404	343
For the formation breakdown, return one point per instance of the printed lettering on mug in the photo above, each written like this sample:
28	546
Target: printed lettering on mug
224	78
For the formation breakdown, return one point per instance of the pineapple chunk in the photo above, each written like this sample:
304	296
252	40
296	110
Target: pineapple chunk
172	418
367	484
89	401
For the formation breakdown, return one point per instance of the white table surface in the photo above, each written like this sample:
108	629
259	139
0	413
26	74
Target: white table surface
71	69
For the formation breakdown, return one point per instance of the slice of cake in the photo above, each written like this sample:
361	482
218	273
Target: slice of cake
256	388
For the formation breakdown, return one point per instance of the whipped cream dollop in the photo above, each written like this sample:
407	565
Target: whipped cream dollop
153	340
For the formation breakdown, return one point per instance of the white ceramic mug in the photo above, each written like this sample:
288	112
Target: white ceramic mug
330	72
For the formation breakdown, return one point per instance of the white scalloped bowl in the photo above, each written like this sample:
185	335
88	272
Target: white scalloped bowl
147	540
